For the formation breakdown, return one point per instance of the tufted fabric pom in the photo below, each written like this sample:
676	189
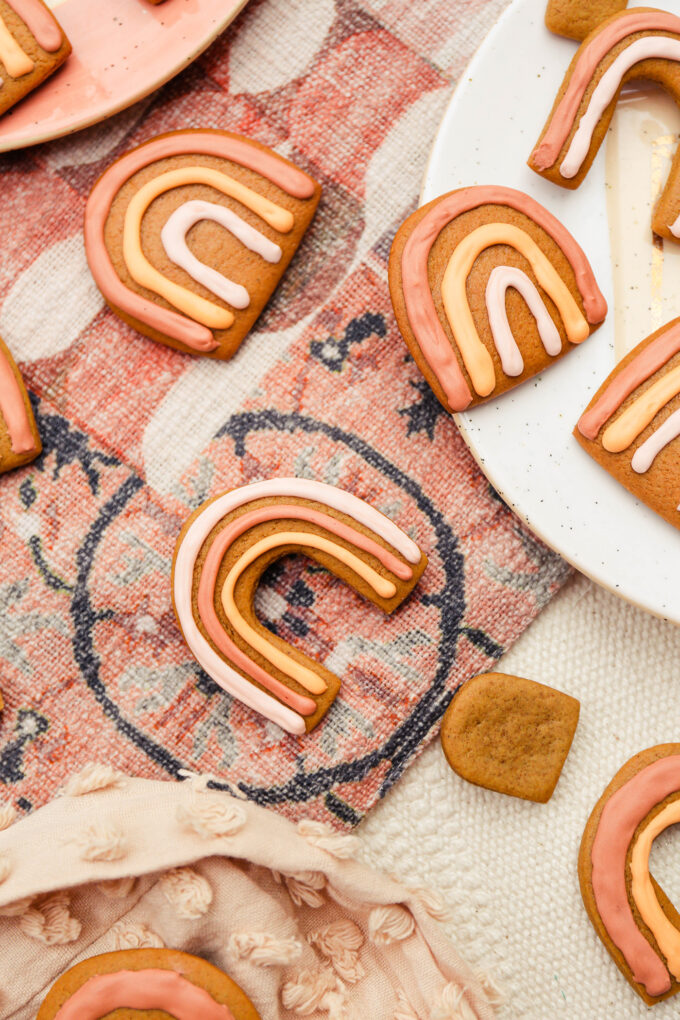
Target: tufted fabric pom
187	891
8	814
389	924
265	950
404	1010
313	991
325	838
453	1005
210	817
5	867
304	887
100	843
495	995
48	920
340	943
126	934
94	777
117	888
433	903
17	908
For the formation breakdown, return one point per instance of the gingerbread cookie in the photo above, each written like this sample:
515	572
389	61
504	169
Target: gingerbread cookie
632	425
188	235
488	289
630	912
576	19
32	47
146	983
19	439
509	734
640	43
222	552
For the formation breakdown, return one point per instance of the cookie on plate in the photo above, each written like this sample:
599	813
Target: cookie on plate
630	912
19	438
509	734
576	19
632	425
188	235
639	43
488	289
222	552
146	982
32	47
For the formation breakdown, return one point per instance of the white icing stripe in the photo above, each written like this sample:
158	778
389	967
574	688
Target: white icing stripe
173	236
644	456
500	279
649	47
190	546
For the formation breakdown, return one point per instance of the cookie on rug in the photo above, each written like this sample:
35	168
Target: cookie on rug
221	554
630	912
32	47
576	19
19	438
146	982
188	235
488	289
631	426
509	734
641	43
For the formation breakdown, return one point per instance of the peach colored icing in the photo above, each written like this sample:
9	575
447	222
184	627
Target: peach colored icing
17	62
13	409
665	933
40	22
420	309
653	357
142	989
622	814
645	455
475	356
621	433
501	279
193	334
589	57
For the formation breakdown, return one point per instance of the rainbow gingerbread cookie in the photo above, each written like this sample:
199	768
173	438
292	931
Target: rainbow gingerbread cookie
32	47
488	289
19	439
639	43
222	552
146	983
188	235
632	425
630	912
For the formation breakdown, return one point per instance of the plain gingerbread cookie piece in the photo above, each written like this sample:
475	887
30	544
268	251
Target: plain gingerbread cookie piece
576	19
509	734
188	235
631	426
145	983
19	438
32	47
632	915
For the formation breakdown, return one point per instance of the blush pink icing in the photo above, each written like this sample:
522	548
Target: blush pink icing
40	22
142	989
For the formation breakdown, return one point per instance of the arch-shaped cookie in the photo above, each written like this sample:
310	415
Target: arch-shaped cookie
639	43
245	209
19	438
631	914
222	552
452	265
32	47
146	982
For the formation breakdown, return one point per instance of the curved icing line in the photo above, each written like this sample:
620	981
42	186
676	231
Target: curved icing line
186	331
141	270
645	455
420	309
475	356
621	433
173	238
501	279
653	357
187	553
40	23
620	817
589	57
665	933
17	62
13	409
142	989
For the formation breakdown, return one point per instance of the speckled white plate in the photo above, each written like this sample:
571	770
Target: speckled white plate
523	441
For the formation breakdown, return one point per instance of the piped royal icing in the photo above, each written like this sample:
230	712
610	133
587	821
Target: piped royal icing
142	989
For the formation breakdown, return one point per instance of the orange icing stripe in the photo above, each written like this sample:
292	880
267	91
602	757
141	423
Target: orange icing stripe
666	934
17	62
622	432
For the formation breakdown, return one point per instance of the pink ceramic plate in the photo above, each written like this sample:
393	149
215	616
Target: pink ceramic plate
122	51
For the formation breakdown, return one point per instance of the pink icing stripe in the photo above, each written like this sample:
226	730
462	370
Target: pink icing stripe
621	816
40	22
211	566
13	409
501	279
172	324
646	454
420	308
637	371
142	989
590	56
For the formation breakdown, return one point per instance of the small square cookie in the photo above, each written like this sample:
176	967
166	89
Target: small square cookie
32	47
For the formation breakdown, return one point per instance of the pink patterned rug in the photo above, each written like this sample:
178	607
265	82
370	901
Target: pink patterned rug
136	436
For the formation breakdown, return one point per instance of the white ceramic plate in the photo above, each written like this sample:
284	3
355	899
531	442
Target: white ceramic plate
523	441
